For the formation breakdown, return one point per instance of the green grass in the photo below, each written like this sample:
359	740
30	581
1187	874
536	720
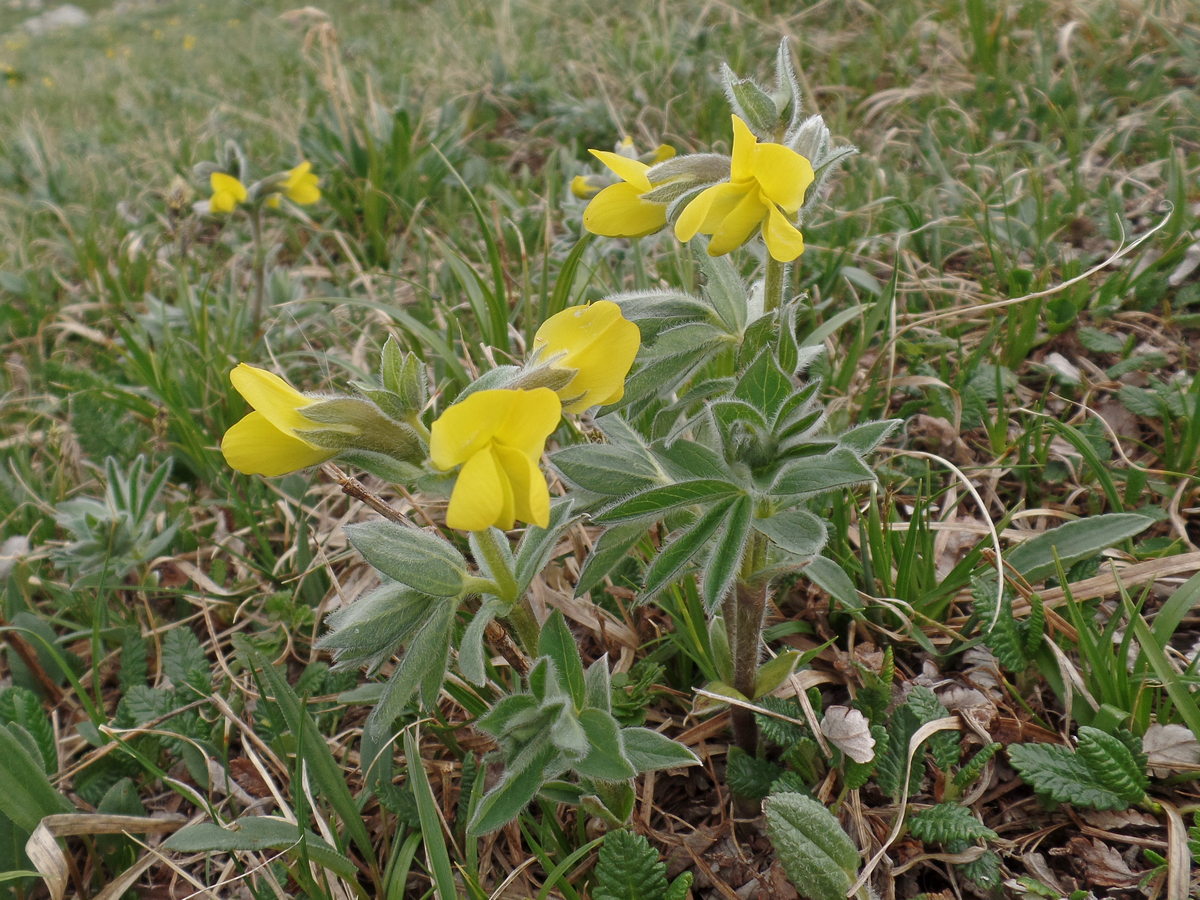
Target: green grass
1005	149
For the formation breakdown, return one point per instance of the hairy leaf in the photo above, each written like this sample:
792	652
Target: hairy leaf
654	502
949	823
816	854
1058	773
1039	557
628	868
1112	764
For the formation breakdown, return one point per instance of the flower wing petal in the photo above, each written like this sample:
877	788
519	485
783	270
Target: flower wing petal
783	239
255	446
629	170
531	417
620	211
745	143
738	224
223	183
704	214
482	495
530	496
273	397
783	174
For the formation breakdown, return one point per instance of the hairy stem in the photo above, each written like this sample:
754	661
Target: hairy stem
520	614
775	285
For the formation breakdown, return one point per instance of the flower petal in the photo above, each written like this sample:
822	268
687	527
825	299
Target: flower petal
599	343
629	170
468	427
740	222
530	496
226	184
704	214
273	397
741	166
482	495
783	239
532	416
620	211
783	174
256	447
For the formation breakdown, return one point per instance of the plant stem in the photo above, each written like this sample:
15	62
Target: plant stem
745	642
775	285
519	614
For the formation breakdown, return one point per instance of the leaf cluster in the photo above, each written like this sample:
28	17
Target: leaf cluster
1104	771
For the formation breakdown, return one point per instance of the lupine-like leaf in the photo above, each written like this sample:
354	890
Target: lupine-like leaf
654	502
686	545
410	556
606	469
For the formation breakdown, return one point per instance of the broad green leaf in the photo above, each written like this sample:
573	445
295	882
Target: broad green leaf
410	556
833	580
764	385
605	758
255	833
796	531
654	502
721	566
649	751
1039	557
610	550
816	854
605	469
557	642
812	475
692	538
772	673
686	460
26	794
1061	775
523	777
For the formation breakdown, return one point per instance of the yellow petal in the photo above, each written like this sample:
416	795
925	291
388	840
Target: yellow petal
468	427
227	184
531	417
783	239
708	210
256	447
629	170
741	166
584	186
531	497
273	397
222	202
599	343
620	211
663	152
482	496
783	174
739	223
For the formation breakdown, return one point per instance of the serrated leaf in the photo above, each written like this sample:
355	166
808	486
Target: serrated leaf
1112	764
748	776
649	751
423	562
949	823
26	794
628	868
1061	775
655	502
1039	557
816	854
184	661
20	706
812	475
945	746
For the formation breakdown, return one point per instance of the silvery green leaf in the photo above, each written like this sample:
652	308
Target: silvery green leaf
416	558
725	290
796	531
427	652
471	648
403	374
609	551
654	502
750	103
605	757
764	385
863	439
649	751
833	580
557	642
725	559
787	93
568	735
372	629
693	169
537	543
815	852
522	778
809	476
597	685
606	469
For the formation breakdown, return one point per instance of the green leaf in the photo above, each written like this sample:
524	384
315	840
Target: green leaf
677	553
372	629
470	648
812	475
764	385
725	290
606	757
649	751
557	642
833	580
1112	764
423	562
816	854
748	776
184	661
772	673
686	460
949	823
796	531
537	543
522	778
654	502
311	747
863	439
723	563
256	833
597	684
628	868
610	549
424	660
1039	557
26	794
944	746
606	469
21	706
429	817
1061	775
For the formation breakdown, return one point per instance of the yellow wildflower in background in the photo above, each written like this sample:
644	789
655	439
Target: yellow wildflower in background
619	210
265	442
596	341
227	193
766	188
301	185
497	437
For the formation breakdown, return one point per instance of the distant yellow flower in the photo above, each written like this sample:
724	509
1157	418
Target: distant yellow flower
301	185
596	341
189	42
265	441
766	188
227	193
497	437
619	210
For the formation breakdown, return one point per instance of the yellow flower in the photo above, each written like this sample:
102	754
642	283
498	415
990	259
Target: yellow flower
619	210
497	437
598	343
265	442
766	188
301	185
227	193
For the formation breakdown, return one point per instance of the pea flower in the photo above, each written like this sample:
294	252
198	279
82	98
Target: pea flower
598	343
266	442
619	210
227	193
766	188
300	186
497	436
